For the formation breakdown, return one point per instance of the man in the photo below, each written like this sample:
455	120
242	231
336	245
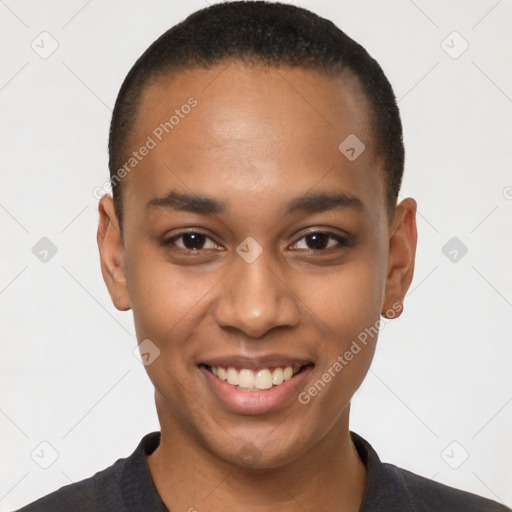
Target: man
256	158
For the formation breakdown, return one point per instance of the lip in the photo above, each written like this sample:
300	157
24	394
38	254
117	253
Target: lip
255	402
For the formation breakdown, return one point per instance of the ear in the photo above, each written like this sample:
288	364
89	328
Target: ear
402	254
110	244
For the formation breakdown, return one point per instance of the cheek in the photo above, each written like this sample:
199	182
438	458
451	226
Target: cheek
348	305
166	301
168	305
348	300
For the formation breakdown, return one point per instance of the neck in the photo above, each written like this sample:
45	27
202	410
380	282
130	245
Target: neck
330	476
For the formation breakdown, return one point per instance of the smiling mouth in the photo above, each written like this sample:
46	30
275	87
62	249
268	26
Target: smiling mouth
262	379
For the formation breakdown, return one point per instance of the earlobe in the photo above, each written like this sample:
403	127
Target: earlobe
110	245
402	253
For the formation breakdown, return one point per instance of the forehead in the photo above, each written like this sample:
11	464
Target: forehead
279	97
252	130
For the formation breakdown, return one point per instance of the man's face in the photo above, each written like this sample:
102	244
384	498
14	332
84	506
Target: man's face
252	242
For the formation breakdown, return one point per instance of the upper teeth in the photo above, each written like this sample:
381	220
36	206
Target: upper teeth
264	378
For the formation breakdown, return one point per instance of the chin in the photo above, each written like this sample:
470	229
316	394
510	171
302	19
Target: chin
259	449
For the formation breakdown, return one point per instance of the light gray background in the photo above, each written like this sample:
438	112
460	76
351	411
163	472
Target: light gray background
442	371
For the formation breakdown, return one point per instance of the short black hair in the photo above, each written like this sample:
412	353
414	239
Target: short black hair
273	34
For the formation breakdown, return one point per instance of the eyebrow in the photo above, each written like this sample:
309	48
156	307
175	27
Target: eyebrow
308	203
315	203
188	202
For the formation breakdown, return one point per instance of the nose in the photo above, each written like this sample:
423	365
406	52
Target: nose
255	299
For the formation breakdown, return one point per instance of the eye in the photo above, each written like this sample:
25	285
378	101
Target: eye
319	240
191	241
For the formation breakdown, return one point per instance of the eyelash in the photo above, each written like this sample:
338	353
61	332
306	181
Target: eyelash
342	241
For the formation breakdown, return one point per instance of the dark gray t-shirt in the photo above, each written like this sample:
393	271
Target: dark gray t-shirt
127	486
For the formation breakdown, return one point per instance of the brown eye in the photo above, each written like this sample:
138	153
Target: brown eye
193	241
319	240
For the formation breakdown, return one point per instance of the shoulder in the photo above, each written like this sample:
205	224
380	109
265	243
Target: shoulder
125	485
389	487
428	495
84	496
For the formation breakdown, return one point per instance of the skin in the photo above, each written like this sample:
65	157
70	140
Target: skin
258	138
